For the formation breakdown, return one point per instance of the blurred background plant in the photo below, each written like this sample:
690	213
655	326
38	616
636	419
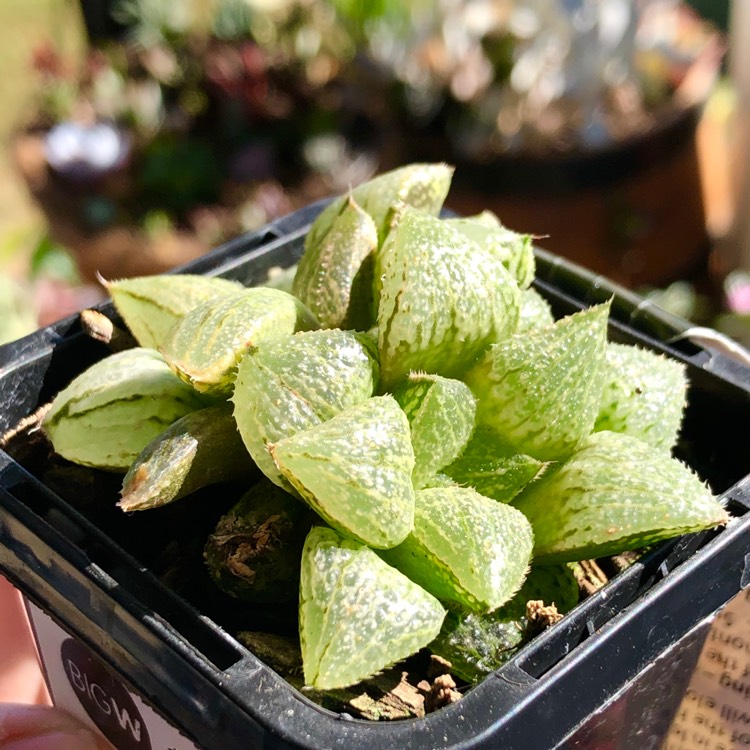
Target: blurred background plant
205	118
549	74
273	90
188	123
50	288
728	311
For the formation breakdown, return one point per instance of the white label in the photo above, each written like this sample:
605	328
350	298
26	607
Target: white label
81	683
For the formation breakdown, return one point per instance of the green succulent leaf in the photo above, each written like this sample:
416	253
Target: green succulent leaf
440	480
514	250
644	395
290	384
444	299
151	305
441	414
357	615
115	408
540	391
198	450
423	186
335	276
486	467
615	494
535	311
478	644
355	471
204	347
465	548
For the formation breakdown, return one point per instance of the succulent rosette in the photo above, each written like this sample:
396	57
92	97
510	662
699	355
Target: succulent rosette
425	432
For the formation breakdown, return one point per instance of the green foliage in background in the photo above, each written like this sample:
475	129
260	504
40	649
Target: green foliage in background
17	314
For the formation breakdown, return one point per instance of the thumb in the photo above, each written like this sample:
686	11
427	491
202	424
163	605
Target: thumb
27	727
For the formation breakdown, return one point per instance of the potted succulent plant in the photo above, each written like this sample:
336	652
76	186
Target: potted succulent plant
415	430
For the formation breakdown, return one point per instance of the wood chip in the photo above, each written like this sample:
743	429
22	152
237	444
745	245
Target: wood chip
590	577
99	327
440	692
26	426
541	615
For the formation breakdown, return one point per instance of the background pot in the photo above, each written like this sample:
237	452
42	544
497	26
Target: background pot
632	211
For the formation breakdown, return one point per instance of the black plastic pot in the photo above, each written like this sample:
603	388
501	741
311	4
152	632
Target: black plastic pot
125	650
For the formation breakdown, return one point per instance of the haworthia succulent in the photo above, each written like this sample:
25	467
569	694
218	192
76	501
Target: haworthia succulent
204	347
465	548
440	480
151	305
441	414
486	218
486	467
289	384
199	449
614	494
357	614
444	299
255	550
478	644
518	460
535	311
514	250
644	395
541	390
355	471
116	407
423	186
281	278
335	276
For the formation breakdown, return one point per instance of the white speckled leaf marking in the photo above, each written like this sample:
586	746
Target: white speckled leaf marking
535	311
515	251
644	395
115	408
444	299
441	414
335	276
358	615
423	186
289	384
615	493
465	548
540	390
205	346
355	471
151	305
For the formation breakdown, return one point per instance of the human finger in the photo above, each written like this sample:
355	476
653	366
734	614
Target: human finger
27	727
